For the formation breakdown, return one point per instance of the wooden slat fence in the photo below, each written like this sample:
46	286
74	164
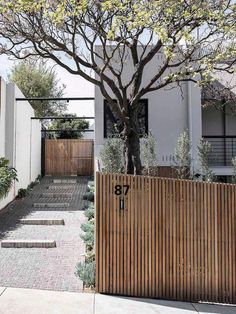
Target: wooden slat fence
69	157
166	238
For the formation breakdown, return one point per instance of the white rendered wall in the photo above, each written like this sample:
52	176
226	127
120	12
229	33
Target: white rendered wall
2	117
22	141
35	165
193	100
170	111
3	136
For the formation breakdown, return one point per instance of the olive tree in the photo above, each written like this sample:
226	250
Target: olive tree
182	156
195	37
204	152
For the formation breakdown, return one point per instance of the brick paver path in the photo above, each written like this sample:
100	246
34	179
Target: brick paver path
42	268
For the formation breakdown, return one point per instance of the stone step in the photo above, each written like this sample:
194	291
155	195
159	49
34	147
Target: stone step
35	221
28	244
61	187
51	205
60	181
56	194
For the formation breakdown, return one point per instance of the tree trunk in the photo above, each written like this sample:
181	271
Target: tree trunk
132	149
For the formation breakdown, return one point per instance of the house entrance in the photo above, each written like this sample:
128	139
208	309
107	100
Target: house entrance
68	157
65	155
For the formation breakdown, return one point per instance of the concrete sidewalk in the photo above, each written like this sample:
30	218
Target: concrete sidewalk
28	301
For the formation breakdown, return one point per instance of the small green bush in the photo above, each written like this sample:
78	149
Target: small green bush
86	272
89	213
90	178
91	187
87	226
22	193
89	196
91	184
32	185
88	235
39	178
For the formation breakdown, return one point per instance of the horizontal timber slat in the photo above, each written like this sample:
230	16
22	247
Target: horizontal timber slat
69	157
165	238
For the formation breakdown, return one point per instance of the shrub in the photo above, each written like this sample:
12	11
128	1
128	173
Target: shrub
91	184
89	213
90	178
22	193
182	156
39	178
204	150
88	235
86	272
149	154
89	196
7	177
91	187
112	155
32	185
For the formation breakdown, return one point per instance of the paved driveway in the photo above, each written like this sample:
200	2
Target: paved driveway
41	268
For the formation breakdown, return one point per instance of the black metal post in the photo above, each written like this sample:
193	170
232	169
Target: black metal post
43	156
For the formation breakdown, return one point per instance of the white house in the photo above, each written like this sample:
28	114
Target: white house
168	112
20	138
219	122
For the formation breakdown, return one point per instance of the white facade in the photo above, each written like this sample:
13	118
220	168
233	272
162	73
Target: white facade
20	138
89	135
170	111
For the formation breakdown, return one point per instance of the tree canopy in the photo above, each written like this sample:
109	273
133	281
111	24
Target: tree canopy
195	37
36	79
69	128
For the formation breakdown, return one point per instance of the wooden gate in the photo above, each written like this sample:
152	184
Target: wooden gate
69	157
165	238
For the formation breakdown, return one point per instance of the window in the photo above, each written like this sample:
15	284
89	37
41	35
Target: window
113	125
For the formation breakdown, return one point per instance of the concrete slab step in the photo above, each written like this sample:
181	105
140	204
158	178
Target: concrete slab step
48	222
28	243
51	205
61	187
64	181
56	195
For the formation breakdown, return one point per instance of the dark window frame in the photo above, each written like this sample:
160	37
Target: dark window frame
145	100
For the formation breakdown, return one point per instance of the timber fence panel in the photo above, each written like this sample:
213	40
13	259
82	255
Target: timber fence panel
165	238
69	157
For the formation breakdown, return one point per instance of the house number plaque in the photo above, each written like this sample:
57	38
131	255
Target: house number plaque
121	190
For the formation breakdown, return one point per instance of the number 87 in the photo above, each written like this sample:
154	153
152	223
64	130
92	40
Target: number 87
119	189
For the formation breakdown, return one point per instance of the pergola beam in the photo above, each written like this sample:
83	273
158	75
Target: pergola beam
62	118
53	98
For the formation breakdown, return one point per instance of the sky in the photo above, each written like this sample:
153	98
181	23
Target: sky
76	86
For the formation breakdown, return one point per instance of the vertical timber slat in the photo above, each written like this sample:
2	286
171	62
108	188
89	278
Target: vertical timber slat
174	239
